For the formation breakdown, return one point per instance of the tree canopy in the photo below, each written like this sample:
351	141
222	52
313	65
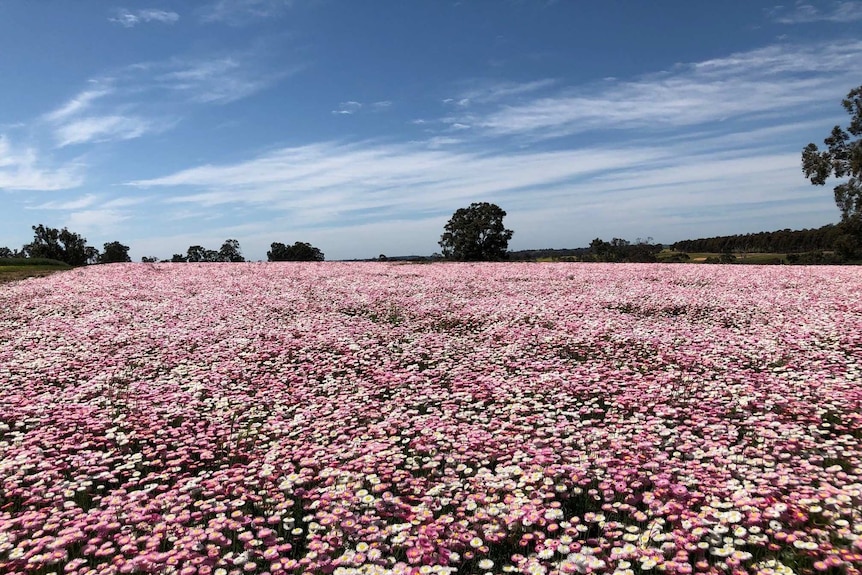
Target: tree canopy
476	233
230	251
298	252
842	159
61	245
114	252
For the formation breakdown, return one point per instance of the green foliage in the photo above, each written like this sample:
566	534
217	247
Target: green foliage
23	262
230	252
298	252
61	245
620	250
776	242
476	233
814	258
196	254
114	252
842	159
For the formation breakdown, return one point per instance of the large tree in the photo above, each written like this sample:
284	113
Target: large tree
476	233
230	252
61	245
298	252
842	159
114	252
196	254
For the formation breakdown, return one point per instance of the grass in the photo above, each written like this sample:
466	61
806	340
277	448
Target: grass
30	262
741	258
14	269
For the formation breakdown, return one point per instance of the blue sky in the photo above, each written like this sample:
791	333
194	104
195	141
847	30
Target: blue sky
360	127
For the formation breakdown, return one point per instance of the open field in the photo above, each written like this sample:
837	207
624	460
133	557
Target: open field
15	273
19	268
376	418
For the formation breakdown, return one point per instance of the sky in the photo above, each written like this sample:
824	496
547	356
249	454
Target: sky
360	127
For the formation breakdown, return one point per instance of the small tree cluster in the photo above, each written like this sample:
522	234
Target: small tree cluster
298	252
61	245
230	251
620	250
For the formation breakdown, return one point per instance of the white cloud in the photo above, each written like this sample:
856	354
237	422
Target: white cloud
98	221
219	80
240	12
77	104
22	170
331	182
494	91
805	13
347	108
441	141
87	201
104	129
78	203
763	83
130	19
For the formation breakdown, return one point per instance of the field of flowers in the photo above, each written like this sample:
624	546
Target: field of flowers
382	418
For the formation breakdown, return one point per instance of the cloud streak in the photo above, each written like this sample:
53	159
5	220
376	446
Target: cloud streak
105	129
130	19
241	12
805	13
347	108
770	82
328	184
21	170
78	104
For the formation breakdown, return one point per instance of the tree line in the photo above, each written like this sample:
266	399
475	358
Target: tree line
73	249
780	241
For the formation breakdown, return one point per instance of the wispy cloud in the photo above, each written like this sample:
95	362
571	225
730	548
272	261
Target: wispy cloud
347	108
22	170
112	108
804	13
486	91
762	83
240	12
78	203
99	221
105	128
77	104
215	80
381	105
130	19
352	107
88	201
686	184
331	182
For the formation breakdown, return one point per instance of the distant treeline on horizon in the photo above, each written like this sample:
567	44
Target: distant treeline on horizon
780	241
